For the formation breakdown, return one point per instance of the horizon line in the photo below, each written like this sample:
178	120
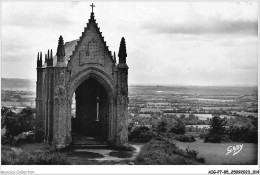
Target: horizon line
155	84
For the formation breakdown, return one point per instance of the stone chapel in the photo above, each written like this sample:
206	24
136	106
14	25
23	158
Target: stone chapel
82	92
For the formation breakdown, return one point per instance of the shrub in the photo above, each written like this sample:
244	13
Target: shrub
185	138
15	124
201	159
5	140
202	135
161	126
215	138
162	151
170	125
130	127
141	134
193	155
9	157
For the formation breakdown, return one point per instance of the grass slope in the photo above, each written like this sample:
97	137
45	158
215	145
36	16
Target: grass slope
215	153
164	152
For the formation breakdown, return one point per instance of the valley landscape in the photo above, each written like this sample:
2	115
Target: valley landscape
193	105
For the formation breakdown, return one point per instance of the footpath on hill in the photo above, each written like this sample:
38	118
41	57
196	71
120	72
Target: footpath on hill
103	156
83	156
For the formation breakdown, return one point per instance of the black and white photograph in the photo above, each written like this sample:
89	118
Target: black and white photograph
129	86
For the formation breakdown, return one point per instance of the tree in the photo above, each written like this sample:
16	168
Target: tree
10	120
4	113
192	117
179	127
216	131
162	126
17	123
182	116
27	119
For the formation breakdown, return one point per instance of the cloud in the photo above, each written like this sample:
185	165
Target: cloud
26	20
37	15
74	3
202	26
167	43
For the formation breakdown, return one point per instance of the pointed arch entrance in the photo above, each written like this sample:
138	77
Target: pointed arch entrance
92	122
90	125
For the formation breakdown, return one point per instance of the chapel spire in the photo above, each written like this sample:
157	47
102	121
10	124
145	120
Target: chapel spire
92	17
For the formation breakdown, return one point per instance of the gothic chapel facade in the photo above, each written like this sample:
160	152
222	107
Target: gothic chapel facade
86	71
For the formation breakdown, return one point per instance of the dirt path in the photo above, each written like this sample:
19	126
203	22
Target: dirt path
86	156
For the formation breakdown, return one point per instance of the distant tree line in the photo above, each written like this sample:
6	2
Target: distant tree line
237	129
240	129
166	127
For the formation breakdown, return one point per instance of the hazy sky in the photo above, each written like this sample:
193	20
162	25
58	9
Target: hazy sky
190	43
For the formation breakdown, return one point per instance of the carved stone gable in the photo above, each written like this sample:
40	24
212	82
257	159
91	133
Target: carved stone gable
92	53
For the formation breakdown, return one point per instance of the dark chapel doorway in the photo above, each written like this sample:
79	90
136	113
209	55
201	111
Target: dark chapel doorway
90	121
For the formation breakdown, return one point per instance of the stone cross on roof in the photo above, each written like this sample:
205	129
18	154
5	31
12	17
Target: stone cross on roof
92	5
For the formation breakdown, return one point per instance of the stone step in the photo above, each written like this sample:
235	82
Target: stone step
90	142
89	146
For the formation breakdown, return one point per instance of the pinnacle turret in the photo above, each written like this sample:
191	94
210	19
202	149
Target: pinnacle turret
41	59
60	50
45	61
38	60
51	59
115	57
122	51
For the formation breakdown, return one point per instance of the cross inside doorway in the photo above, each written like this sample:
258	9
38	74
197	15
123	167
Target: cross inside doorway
97	117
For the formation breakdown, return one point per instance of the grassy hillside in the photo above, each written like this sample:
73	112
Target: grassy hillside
215	153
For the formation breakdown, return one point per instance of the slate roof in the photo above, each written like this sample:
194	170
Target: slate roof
69	47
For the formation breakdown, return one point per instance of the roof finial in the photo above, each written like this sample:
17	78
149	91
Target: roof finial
92	6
